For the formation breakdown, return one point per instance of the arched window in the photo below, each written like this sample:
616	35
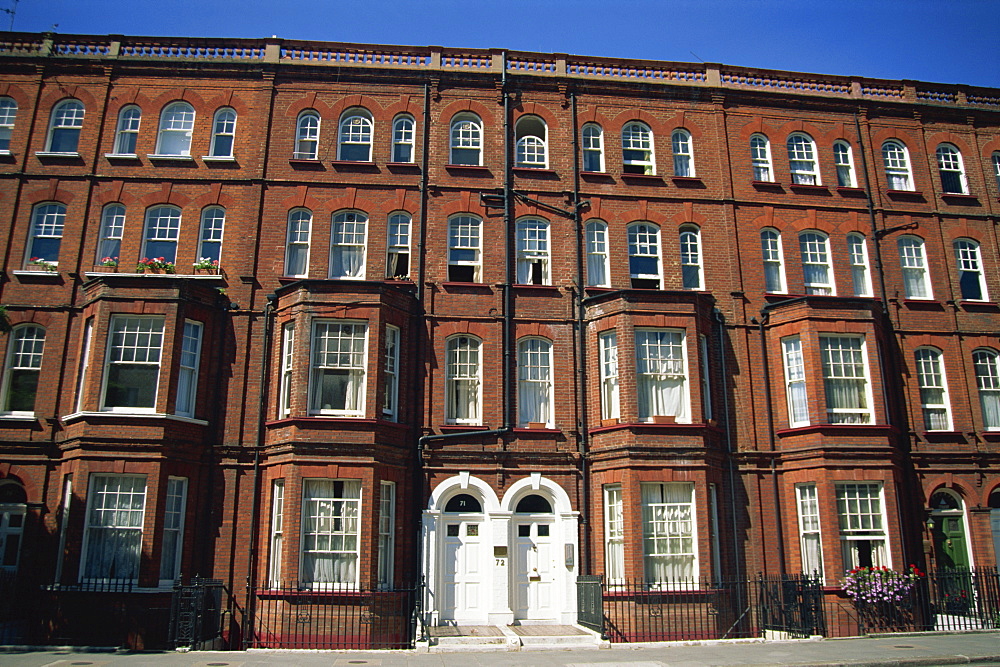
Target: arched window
463	503
466	140
355	143
397	263
971	278
163	226
760	157
8	114
916	279
896	159
644	256
817	275
952	170
348	233
533	252
465	249
223	133
933	389
176	126
844	159
533	504
691	266
996	168
598	271
463	398
64	127
213	222
307	136
774	261
637	149
297	243
47	222
531	139
534	382
109	247
402	139
683	153
857	251
593	147
24	363
987	365
127	134
802	159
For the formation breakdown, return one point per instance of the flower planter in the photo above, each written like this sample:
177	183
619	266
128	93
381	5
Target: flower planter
105	269
213	271
537	425
664	419
610	422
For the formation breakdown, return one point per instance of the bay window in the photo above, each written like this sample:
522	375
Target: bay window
173	530
669	533
132	372
795	381
462	381
339	363
274	573
614	534
534	381
187	377
863	539
390	395
810	538
845	379
112	537
609	375
287	367
661	374
331	532
386	532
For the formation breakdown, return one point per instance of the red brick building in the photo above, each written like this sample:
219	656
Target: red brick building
348	316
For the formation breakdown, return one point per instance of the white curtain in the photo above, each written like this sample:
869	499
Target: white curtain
662	394
913	283
668	532
348	261
816	274
898	181
331	531
464	399
991	408
847	395
113	553
533	400
812	555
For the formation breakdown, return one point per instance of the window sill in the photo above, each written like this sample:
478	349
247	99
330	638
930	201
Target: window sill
18	417
453	428
156	157
218	158
122	157
116	414
847	429
960	198
6	153
402	166
47	154
534	171
643	178
805	188
687	181
30	276
354	165
905	194
127	274
533	286
455	284
468	168
595	174
969	304
766	184
850	191
533	428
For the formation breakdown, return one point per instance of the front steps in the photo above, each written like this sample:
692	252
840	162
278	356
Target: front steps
534	637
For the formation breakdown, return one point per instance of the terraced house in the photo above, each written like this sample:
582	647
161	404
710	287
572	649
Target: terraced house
410	337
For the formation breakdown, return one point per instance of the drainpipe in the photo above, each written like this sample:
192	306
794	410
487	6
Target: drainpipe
509	249
268	314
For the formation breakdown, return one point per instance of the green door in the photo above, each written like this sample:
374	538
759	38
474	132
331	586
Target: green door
950	547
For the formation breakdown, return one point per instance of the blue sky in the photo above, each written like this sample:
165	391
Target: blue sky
948	41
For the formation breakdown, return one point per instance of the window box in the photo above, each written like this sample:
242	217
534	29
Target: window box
664	419
101	268
537	426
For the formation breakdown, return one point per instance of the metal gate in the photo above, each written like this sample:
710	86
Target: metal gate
791	605
195	611
590	602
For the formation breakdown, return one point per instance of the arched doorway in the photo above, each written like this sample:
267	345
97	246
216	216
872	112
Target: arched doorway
534	567
13	507
462	567
951	544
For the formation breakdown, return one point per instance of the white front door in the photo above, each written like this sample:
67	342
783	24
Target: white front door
534	569
463	586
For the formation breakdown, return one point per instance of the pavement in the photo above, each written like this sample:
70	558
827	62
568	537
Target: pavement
970	648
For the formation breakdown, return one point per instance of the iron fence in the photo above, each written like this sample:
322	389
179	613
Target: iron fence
308	616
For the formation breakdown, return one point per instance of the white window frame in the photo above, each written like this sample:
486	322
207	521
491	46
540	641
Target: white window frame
386	533
773	257
531	143
844	359
174	509
25	351
356	129
951	169
896	161
669	533
223	133
287	369
84	368
796	391
986	363
610	399
65	126
8	117
277	540
297	242
535	382
913	264
969	260
390	396
397	264
598	260
817	271
760	159
706	378
48	221
176	130
348	244
307	127
934	403
161	231
133	340
614	535
996	168
331	528
644	246
843	159
857	254
661	370
692	268
592	142
120	509
533	252
187	374
683	150
466	140
403	142
344	351
127	130
638	157
810	530
213	226
803	165
861	515
465	246
463	376
109	245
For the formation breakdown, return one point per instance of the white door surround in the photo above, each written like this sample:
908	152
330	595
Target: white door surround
509	569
